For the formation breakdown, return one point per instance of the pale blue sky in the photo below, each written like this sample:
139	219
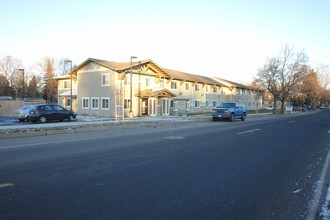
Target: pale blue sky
228	39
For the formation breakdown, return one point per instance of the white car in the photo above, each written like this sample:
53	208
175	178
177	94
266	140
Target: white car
22	113
322	107
269	107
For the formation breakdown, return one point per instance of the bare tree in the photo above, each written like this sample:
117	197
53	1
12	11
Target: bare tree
8	68
282	74
5	88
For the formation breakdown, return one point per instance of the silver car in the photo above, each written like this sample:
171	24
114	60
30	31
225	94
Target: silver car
22	113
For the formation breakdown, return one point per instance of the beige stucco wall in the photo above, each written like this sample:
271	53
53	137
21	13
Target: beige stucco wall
89	86
7	106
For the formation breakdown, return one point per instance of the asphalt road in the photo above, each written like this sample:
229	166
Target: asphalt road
257	169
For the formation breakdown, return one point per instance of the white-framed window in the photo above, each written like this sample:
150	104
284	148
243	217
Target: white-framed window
162	82
215	89
197	103
165	106
207	103
207	88
127	79
175	106
152	106
174	85
95	103
187	105
85	103
187	85
197	88
214	103
148	82
105	103
127	103
105	79
66	84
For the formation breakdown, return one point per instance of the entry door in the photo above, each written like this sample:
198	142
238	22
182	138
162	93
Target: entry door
152	106
165	106
144	106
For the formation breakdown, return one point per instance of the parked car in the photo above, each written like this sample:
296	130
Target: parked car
298	109
322	107
230	111
22	113
269	107
43	113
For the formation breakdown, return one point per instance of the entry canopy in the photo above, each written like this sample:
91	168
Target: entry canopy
160	93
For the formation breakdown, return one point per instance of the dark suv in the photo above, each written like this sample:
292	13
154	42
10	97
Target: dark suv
230	111
45	113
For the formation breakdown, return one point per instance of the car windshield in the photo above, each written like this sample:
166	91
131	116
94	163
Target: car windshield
35	107
26	107
227	105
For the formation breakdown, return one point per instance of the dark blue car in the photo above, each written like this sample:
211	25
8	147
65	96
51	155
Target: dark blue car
230	111
43	113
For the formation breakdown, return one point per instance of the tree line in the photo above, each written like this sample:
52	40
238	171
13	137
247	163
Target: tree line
289	78
37	81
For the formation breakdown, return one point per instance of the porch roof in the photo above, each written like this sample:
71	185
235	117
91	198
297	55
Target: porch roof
149	93
68	93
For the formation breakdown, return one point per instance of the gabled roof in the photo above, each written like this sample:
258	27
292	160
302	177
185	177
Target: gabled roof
192	77
236	85
156	93
173	74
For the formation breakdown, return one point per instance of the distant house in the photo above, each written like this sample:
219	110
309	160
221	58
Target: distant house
110	89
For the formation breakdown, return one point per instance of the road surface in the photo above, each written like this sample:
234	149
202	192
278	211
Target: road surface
266	168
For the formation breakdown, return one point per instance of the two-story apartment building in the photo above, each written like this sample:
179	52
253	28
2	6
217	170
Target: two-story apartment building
112	89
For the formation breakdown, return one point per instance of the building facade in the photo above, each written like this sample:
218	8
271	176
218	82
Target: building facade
111	89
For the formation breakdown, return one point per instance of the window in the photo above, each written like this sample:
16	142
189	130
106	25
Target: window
175	106
67	84
197	104
148	82
127	103
162	82
127	79
85	103
207	103
165	104
187	86
105	103
67	102
215	89
197	87
206	88
95	103
187	105
174	85
105	79
214	103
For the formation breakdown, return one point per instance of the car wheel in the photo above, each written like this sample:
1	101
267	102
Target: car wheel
232	117
71	118
42	119
243	117
21	119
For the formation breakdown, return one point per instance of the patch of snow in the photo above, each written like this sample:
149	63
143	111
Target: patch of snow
325	214
297	191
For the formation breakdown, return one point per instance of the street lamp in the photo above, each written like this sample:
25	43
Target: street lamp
22	71
131	90
70	61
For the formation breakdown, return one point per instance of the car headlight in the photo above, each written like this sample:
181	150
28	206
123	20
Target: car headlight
226	111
